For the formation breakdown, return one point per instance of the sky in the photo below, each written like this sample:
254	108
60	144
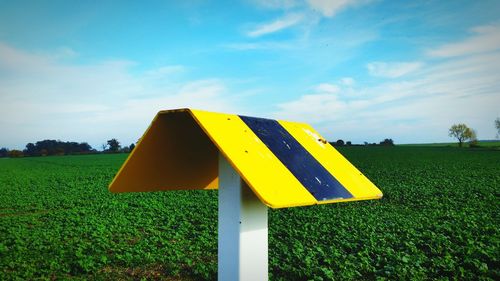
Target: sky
357	70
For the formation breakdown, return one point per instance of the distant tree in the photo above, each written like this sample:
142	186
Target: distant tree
497	125
473	135
15	153
387	142
365	143
84	147
348	143
131	147
339	143
114	145
30	149
56	147
4	152
473	142
461	132
59	151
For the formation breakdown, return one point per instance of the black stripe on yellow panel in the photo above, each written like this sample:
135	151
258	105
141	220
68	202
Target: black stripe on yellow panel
308	171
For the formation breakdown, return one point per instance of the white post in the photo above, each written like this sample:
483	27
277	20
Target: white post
242	252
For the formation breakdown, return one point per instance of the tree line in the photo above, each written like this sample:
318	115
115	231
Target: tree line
385	142
57	147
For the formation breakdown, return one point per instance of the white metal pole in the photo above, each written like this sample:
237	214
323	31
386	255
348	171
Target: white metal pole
242	252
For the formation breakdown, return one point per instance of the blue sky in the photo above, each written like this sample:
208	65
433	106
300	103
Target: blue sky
356	70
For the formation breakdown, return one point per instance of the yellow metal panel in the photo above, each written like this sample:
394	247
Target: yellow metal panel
180	151
348	175
174	153
271	181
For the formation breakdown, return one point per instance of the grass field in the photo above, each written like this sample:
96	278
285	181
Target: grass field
481	144
439	219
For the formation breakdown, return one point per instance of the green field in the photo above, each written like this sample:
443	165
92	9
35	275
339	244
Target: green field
439	219
480	144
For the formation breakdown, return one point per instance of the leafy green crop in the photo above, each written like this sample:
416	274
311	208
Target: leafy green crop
439	219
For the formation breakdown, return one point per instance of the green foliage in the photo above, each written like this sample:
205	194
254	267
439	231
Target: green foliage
4	152
387	142
497	125
114	145
438	220
462	133
56	147
15	153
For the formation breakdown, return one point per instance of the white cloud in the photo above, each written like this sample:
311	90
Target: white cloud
418	109
326	8
276	25
42	97
209	94
65	53
392	69
327	88
166	70
276	4
348	81
485	39
73	108
312	108
330	8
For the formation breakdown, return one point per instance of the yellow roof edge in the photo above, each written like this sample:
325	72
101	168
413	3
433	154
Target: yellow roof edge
183	109
294	205
351	199
294	122
132	153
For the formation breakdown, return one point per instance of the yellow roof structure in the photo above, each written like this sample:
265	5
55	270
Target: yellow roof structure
286	164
